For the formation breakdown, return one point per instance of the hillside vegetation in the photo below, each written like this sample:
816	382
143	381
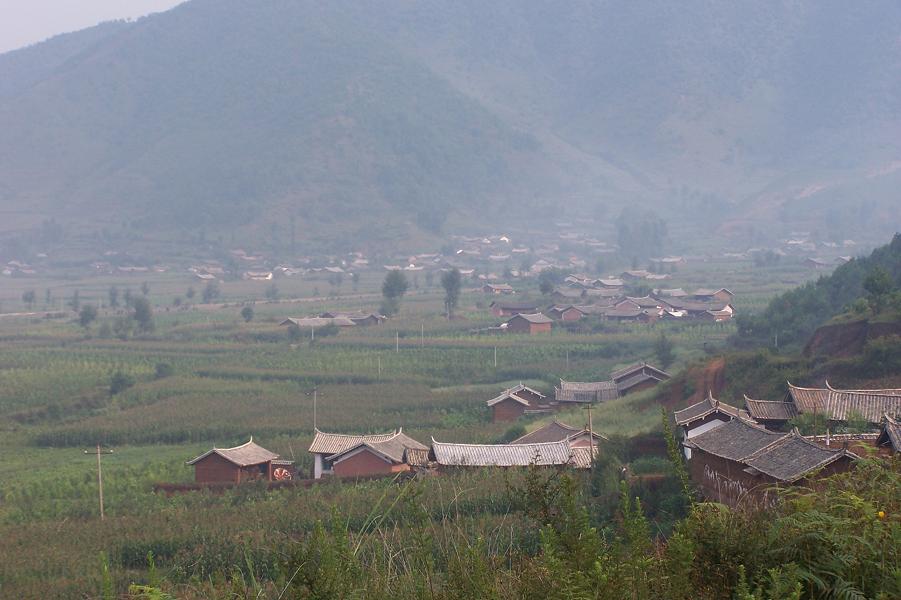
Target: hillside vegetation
230	115
796	314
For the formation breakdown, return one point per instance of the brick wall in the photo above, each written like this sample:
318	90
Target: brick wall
215	469
364	463
507	410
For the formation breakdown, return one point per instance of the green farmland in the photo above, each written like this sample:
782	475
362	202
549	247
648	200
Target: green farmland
204	376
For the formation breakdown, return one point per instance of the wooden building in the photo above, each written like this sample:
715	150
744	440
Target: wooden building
504	308
720	295
739	463
771	414
326	448
529	323
514	402
555	431
498	288
396	454
565	312
588	392
703	416
890	435
358	318
637	377
247	462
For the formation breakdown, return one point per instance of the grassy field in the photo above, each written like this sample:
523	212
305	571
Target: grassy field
206	377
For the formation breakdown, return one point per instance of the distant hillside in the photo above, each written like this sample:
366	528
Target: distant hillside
795	315
359	119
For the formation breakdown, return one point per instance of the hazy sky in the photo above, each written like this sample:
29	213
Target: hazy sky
24	22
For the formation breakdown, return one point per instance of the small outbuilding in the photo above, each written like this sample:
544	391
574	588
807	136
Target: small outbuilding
637	377
514	402
247	462
529	323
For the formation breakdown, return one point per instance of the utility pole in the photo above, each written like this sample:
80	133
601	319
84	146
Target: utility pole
495	357
380	367
99	475
590	438
315	397
396	341
421	335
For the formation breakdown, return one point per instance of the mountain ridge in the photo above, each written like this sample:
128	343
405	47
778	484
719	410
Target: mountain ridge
224	115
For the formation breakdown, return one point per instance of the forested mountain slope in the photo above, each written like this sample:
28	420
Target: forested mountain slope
225	113
795	315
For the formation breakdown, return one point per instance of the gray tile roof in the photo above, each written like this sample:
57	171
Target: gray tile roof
393	448
333	443
735	440
555	431
631	369
586	392
705	407
839	405
245	455
535	318
523	305
769	410
512	394
890	434
318	321
501	455
792	457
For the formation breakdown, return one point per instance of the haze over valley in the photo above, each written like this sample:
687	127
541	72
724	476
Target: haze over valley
365	120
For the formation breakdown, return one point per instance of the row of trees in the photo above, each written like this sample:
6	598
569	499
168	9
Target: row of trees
396	285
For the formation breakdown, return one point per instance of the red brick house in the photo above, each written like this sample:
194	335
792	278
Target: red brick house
514	402
396	454
529	323
720	295
247	462
565	312
325	446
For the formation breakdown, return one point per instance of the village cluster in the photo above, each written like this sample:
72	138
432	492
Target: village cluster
734	455
603	299
483	258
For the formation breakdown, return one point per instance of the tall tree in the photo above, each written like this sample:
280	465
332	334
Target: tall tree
664	350
75	301
87	315
393	289
113	296
211	291
143	314
29	298
878	285
451	282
